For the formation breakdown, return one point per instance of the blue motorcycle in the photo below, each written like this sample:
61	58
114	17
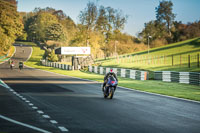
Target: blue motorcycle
110	87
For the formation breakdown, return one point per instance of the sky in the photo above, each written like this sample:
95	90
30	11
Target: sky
138	11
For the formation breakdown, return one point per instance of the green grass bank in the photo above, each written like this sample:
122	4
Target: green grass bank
172	57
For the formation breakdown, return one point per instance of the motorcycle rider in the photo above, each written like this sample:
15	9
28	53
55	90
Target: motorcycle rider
110	73
21	65
12	64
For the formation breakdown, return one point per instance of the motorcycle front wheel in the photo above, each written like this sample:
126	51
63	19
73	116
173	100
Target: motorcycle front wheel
111	92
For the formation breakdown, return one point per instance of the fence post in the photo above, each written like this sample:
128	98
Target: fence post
164	59
189	61
198	60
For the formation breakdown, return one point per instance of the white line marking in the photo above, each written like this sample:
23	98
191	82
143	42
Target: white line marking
30	104
63	129
53	121
4	84
29	55
46	116
40	112
27	101
23	124
35	107
24	99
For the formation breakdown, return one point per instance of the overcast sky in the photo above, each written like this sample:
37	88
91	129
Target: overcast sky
139	11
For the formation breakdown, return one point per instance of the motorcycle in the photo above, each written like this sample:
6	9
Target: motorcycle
20	65
110	87
11	66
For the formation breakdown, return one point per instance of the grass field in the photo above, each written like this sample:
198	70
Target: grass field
172	89
172	57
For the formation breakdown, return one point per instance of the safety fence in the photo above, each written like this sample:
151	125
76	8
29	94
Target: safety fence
180	60
57	65
125	73
121	72
180	77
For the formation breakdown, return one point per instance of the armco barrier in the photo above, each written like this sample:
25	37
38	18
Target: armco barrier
180	77
56	65
121	72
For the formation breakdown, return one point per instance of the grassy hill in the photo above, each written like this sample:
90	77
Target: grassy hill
181	56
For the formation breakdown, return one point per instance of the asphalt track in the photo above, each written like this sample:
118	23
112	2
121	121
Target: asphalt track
66	104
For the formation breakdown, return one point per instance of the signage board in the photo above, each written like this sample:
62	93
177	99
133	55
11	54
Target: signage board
73	50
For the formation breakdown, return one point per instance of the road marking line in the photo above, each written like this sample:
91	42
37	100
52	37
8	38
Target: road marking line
46	116
53	121
29	55
27	101
63	129
30	104
24	99
35	107
23	124
4	84
40	112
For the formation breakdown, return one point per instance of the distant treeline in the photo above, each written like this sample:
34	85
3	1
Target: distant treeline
99	27
165	30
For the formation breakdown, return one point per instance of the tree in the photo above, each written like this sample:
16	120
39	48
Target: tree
88	17
109	22
99	20
40	24
164	14
55	32
52	56
155	30
11	25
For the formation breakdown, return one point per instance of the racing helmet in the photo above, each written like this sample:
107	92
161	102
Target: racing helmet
111	70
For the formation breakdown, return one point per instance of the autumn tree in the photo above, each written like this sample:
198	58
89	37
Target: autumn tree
11	25
101	20
88	18
165	15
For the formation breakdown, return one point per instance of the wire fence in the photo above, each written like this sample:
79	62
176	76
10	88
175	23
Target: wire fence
161	60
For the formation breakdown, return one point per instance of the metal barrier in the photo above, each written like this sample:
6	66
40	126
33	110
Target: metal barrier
180	77
56	65
121	72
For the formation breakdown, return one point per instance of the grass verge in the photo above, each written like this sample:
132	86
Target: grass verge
171	89
172	57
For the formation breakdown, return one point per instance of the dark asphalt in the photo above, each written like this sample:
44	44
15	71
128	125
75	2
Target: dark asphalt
79	106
